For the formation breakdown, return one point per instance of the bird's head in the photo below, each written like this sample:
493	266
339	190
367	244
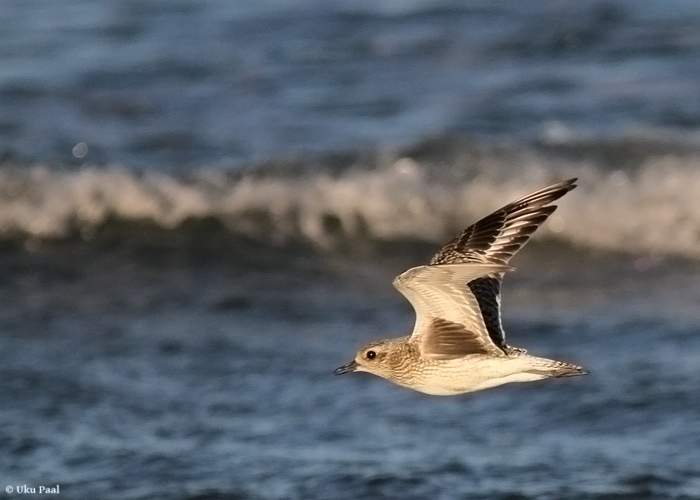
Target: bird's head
377	358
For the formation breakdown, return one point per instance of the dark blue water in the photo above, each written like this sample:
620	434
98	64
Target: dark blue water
185	84
202	207
152	372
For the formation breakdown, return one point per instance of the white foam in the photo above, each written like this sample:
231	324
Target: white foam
651	209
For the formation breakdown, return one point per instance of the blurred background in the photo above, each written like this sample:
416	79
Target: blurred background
203	204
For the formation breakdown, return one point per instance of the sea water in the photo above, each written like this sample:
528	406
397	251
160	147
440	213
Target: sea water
202	207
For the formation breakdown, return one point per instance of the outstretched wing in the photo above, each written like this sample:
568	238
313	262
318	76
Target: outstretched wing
494	240
497	237
449	322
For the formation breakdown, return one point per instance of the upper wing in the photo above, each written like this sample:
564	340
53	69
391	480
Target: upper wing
495	239
449	322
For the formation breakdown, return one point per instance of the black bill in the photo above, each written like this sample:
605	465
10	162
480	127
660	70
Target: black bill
350	367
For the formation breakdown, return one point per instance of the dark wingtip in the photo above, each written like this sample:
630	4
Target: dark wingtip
571	183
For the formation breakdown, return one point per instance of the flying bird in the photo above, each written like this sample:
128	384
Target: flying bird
458	344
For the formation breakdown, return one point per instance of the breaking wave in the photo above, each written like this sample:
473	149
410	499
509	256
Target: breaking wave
650	206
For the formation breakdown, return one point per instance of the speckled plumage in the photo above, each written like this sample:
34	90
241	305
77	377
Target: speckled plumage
458	344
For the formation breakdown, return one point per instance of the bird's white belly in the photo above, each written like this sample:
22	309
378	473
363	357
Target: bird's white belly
458	376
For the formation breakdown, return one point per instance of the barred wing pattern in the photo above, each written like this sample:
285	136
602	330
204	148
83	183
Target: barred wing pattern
448	320
497	237
492	240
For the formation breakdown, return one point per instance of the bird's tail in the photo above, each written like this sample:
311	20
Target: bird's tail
567	370
557	369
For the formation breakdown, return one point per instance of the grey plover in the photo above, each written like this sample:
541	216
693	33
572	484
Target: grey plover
458	344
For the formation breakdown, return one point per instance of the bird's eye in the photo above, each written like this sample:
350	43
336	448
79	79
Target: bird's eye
371	354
